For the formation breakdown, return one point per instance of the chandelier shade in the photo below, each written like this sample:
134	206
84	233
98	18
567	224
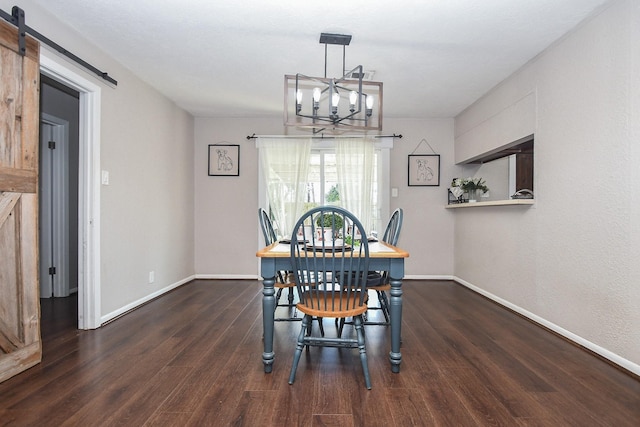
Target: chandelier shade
346	103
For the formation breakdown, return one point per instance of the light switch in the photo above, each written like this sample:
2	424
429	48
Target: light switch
394	192
105	177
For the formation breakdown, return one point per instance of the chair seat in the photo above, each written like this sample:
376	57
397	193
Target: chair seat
284	285
346	305
286	281
373	279
382	288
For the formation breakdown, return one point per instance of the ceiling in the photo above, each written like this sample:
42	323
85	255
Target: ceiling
228	58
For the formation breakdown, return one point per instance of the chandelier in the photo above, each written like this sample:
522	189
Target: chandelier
345	103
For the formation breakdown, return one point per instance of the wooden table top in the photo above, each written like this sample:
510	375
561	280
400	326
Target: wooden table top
376	250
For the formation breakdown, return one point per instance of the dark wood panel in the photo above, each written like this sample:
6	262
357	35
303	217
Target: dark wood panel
193	357
524	171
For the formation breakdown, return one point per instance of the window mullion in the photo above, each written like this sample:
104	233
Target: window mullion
323	191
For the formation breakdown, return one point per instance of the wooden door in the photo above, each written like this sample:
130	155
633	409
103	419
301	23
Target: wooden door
53	214
20	346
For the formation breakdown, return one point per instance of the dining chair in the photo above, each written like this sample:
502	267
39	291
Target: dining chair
330	273
283	278
380	282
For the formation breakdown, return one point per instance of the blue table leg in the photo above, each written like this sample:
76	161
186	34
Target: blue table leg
268	308
395	312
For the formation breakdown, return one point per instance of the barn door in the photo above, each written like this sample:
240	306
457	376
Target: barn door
20	346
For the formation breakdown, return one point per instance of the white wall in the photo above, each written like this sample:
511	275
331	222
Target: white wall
427	229
147	209
226	207
147	146
227	228
570	261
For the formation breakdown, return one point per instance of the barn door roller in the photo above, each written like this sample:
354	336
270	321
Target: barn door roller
17	18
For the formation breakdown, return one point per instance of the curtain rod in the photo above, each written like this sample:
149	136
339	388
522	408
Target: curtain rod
254	136
17	18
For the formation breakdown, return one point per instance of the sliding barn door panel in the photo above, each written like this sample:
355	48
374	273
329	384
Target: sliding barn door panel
20	346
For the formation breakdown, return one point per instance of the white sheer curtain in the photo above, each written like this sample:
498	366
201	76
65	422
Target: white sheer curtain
285	164
355	163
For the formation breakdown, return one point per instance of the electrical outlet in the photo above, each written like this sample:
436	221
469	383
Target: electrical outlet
152	276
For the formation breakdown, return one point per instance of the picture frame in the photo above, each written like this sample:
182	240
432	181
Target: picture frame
424	170
224	160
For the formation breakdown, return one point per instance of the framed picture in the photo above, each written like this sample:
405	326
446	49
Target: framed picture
424	170
224	160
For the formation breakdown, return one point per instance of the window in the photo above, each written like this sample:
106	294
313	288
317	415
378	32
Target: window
321	185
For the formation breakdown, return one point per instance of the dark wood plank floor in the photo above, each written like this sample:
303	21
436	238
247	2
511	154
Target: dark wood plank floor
193	357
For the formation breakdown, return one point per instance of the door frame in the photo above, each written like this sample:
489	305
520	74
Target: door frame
89	310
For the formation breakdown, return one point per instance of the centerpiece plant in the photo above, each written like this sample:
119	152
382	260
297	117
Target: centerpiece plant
332	221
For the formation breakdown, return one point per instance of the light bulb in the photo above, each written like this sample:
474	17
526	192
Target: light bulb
369	105
353	97
370	102
335	99
316	100
298	101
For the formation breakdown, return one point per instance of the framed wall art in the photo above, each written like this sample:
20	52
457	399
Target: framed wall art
224	160
424	170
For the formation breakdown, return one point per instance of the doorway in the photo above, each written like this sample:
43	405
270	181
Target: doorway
88	186
58	202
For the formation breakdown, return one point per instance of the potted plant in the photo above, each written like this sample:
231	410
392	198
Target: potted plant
471	186
332	221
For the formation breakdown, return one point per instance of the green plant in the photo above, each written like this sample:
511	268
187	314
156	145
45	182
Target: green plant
331	220
350	241
468	184
333	195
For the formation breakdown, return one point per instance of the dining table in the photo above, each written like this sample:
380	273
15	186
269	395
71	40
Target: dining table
382	257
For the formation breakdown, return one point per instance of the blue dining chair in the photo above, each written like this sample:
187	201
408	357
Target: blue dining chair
283	279
380	282
330	273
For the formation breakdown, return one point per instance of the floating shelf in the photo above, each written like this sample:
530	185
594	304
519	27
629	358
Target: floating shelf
511	202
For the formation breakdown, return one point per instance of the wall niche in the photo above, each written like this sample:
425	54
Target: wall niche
506	170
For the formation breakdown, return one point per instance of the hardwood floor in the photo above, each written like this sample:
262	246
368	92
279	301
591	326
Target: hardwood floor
193	358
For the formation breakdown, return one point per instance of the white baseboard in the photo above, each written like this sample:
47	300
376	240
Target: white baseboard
620	361
428	277
229	276
119	312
